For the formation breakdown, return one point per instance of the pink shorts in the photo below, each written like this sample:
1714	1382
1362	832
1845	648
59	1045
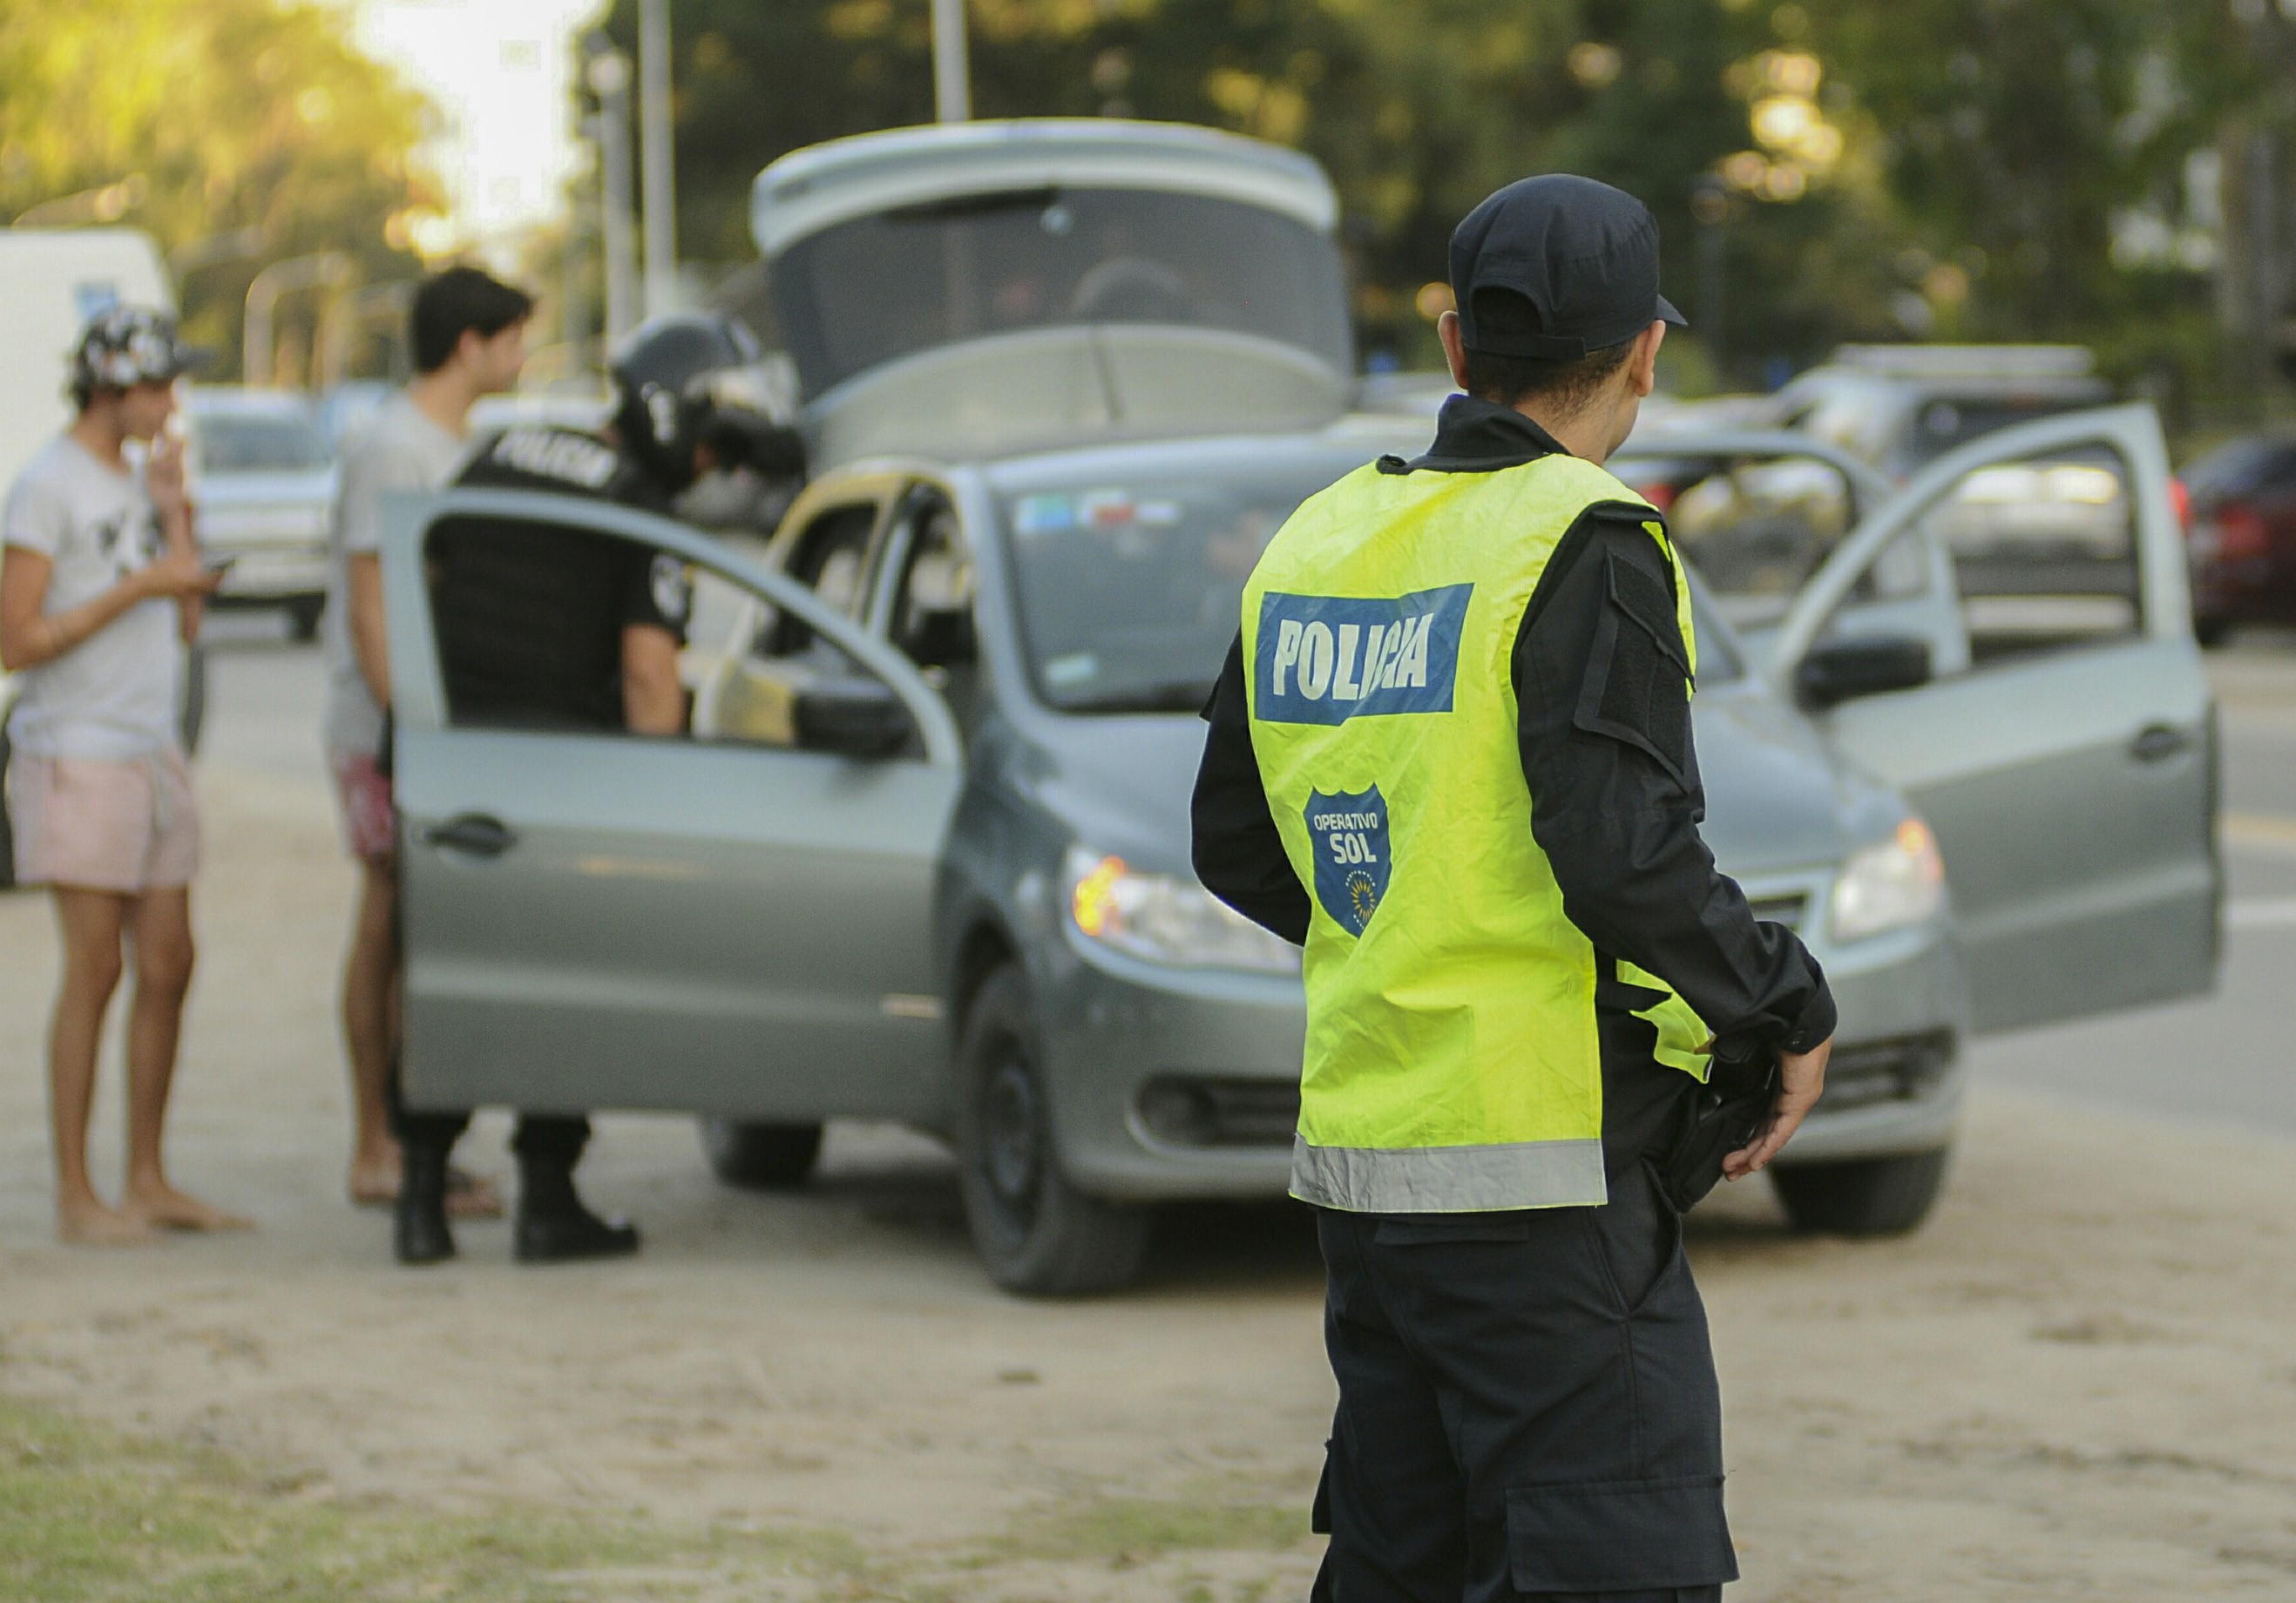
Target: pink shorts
93	824
362	795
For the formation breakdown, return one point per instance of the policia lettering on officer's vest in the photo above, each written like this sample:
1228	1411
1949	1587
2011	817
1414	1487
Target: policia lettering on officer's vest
1452	1060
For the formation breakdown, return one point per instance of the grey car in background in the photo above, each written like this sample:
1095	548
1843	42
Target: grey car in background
264	477
924	854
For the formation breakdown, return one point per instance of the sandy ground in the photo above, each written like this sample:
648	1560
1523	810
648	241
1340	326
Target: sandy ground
2080	1382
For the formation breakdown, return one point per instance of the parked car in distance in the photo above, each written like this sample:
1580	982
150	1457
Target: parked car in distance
1901	406
264	480
2240	531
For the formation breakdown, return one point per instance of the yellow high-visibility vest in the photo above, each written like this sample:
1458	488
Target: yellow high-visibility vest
1452	1063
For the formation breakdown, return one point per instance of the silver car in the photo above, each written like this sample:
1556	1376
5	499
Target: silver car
263	477
924	855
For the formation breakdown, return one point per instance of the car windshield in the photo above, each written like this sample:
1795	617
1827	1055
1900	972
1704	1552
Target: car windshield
257	443
882	286
1941	423
1130	589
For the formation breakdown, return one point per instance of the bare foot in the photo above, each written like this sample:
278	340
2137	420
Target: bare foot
163	1205
472	1196
92	1224
468	1196
374	1178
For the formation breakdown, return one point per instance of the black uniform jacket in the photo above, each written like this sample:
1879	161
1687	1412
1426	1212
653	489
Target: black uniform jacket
530	618
1605	731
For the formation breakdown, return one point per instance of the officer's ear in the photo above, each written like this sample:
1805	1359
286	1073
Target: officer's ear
1642	361
1454	347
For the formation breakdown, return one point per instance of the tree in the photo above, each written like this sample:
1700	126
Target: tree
228	115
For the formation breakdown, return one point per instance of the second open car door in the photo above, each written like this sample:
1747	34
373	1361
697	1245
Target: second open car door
2063	749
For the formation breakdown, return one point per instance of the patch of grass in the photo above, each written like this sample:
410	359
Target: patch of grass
1125	1531
91	1514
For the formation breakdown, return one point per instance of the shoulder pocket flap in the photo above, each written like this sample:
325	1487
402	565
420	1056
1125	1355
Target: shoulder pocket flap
1430	1230
1646	599
1619	1535
1638	684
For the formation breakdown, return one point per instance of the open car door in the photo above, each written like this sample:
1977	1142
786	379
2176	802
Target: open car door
736	920
2063	745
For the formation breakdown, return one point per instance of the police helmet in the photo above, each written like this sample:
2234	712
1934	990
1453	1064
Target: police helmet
693	378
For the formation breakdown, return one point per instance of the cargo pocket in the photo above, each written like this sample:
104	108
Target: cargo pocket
1638	684
1603	1536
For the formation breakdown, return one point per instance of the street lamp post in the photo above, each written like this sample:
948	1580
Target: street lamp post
655	154
609	79
323	269
952	77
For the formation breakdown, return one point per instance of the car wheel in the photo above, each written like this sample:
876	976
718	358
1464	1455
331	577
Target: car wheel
1037	1234
303	615
760	1157
1870	1197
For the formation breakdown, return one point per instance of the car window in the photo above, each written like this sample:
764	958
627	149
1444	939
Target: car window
750	688
830	558
1131	592
2043	553
1755	528
882	286
282	442
1942	422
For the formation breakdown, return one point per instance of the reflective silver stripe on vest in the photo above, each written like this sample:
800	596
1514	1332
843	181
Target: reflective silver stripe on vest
1448	1180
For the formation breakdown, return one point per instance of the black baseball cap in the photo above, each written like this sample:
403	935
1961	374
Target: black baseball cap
1582	254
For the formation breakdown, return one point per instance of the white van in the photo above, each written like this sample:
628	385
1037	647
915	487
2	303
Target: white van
53	281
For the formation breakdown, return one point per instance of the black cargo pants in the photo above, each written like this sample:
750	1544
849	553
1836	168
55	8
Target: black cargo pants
1528	1403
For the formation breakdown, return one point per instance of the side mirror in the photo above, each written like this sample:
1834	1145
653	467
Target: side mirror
1866	665
854	718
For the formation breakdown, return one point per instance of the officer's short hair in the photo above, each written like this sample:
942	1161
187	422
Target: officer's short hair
1565	382
458	301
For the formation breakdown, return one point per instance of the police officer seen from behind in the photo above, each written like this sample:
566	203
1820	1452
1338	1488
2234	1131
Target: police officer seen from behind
1451	755
544	627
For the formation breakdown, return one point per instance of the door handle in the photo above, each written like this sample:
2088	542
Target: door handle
475	833
2158	742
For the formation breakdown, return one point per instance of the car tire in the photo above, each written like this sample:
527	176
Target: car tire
1037	1234
303	615
760	1157
1869	1197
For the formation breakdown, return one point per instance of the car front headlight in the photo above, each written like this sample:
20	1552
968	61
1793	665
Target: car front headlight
1164	919
1900	882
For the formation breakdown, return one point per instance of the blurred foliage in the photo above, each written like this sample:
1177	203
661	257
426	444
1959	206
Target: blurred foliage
1981	148
213	116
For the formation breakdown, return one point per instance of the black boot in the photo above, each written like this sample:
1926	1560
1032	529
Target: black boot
420	1234
552	1225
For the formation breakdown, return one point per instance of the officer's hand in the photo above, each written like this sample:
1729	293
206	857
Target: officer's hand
1801	1076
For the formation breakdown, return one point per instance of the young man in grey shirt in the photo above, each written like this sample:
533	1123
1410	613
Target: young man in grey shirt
469	336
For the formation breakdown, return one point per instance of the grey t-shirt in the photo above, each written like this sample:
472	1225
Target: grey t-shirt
113	695
396	447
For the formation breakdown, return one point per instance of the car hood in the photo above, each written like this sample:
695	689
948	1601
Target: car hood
1777	797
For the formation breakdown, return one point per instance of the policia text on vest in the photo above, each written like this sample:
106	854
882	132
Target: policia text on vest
1450	755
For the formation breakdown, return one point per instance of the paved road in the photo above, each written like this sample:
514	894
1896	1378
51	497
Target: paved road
2228	1058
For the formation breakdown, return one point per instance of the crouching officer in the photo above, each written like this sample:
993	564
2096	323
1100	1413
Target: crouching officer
556	628
1450	754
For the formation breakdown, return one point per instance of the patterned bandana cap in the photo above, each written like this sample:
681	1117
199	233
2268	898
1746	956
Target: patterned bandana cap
128	346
